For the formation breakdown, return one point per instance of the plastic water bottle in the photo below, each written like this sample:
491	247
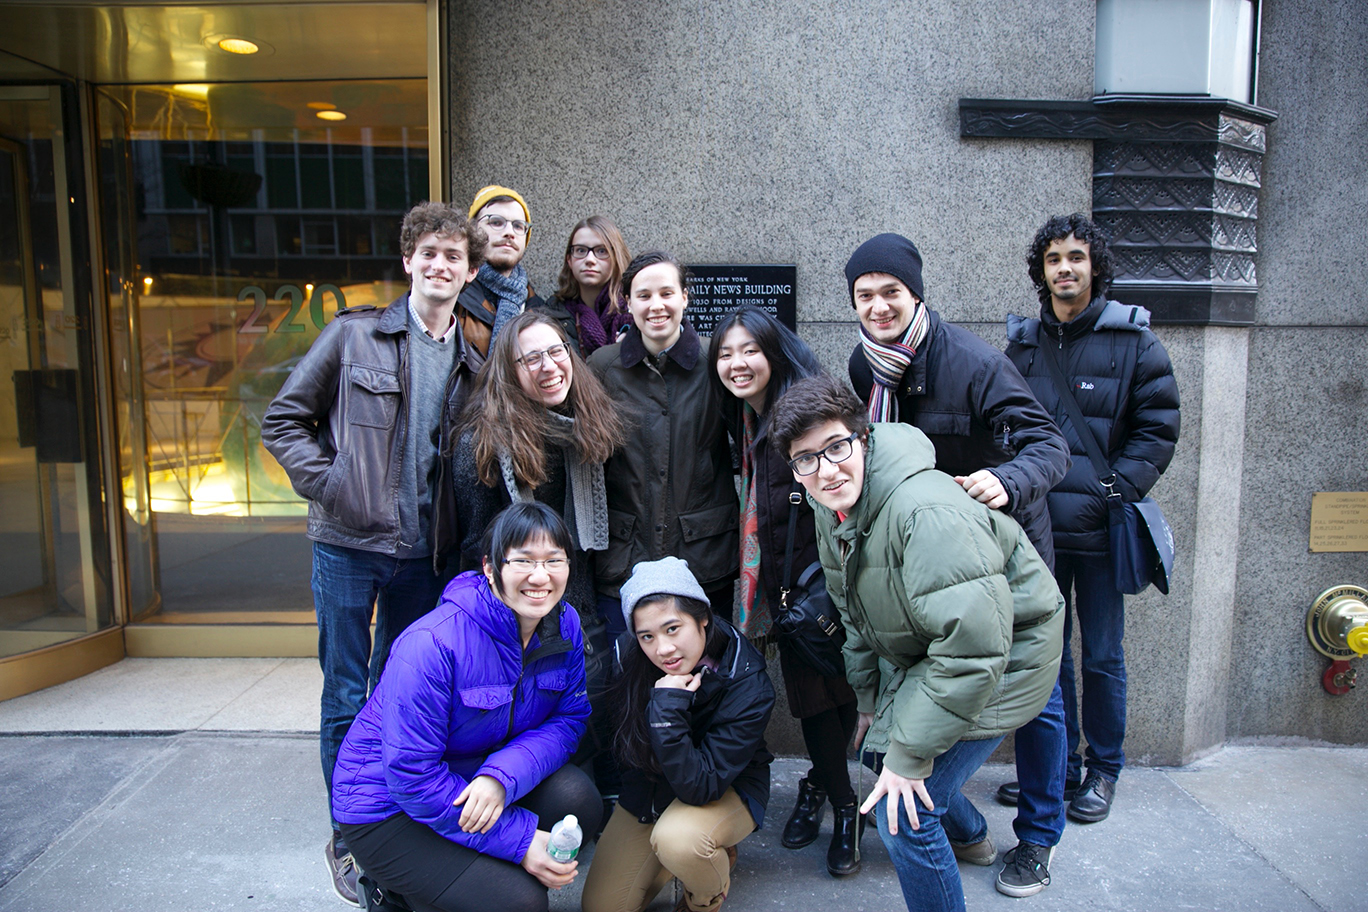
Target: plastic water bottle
565	840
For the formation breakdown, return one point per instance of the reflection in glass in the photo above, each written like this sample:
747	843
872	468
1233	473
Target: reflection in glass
53	555
252	223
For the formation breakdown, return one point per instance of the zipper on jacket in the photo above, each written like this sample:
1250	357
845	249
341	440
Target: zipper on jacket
513	704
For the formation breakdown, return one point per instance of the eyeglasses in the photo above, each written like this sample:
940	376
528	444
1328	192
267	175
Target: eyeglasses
527	565
579	252
836	452
559	353
498	223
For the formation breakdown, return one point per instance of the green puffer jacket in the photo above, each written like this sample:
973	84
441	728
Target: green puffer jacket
954	623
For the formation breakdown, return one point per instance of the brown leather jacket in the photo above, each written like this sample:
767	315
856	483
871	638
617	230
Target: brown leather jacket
337	427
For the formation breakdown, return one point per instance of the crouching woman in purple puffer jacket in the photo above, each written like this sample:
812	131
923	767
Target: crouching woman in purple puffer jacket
452	775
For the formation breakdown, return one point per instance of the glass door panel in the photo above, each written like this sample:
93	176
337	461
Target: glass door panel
54	572
254	212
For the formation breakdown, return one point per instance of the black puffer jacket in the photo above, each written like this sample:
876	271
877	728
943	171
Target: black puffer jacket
709	740
979	413
670	487
337	427
1123	382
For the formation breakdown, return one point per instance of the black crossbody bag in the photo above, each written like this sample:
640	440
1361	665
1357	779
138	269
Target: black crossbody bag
808	622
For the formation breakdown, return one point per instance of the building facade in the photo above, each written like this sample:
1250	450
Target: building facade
215	219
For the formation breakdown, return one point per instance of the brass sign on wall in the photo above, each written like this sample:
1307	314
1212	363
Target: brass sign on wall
1339	521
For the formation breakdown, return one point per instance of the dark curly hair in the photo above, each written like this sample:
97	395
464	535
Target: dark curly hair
1057	229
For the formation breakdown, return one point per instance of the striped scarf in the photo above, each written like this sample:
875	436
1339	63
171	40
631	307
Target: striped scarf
753	616
889	361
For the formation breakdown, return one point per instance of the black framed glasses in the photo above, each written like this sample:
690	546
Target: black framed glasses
559	353
835	452
498	223
579	252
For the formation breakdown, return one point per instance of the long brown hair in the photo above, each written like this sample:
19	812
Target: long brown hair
618	258
507	420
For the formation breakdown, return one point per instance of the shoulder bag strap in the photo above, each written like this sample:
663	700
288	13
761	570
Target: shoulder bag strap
1104	472
795	498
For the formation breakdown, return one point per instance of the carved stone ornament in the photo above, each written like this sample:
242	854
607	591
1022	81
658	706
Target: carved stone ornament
1175	186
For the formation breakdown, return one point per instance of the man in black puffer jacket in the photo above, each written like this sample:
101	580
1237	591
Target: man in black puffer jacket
1122	379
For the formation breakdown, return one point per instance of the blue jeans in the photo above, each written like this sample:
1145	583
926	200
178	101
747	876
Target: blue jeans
1086	581
347	585
1040	755
925	863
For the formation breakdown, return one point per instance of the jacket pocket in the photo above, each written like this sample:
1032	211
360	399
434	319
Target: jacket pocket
615	563
374	397
702	524
333	482
486	697
554	681
711	541
944	424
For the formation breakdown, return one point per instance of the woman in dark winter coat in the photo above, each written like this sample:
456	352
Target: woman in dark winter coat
755	358
590	290
694	703
452	775
670	486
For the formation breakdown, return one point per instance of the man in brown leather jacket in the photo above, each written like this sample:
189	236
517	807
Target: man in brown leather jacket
359	426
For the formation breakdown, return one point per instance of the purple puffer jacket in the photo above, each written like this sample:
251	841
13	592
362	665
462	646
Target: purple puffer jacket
458	699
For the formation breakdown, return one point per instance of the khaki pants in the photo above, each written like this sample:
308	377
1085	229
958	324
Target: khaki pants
635	860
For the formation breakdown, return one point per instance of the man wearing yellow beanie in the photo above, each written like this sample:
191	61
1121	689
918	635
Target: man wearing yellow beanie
501	290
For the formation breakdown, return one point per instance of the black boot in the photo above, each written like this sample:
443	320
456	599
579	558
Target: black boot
806	819
843	857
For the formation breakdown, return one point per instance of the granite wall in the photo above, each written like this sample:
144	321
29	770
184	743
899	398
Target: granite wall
1307	405
790	132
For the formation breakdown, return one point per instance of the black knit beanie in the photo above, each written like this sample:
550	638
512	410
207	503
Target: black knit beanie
890	253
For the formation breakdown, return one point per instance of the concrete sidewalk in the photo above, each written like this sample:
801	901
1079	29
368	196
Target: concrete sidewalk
189	784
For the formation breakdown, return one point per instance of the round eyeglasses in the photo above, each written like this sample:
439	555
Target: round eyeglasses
498	223
559	353
836	452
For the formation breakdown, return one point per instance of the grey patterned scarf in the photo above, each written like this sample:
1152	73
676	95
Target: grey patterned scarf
510	292
586	496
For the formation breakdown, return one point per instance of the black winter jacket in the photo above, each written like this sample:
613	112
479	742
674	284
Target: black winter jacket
337	427
979	414
709	740
1123	382
670	485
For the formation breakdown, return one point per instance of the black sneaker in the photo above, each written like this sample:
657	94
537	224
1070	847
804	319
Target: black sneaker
1025	870
343	871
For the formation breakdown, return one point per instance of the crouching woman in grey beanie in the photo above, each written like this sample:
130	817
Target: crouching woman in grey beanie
693	701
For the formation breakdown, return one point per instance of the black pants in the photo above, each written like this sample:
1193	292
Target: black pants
434	874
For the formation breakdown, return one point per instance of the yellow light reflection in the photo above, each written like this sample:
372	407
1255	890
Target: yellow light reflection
211	493
194	90
238	46
331	115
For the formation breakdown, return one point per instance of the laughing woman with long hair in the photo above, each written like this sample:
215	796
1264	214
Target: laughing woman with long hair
538	426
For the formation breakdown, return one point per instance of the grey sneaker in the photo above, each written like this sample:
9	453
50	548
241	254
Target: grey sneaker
1025	870
343	871
982	852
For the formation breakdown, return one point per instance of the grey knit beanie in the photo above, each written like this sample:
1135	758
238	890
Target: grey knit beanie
667	576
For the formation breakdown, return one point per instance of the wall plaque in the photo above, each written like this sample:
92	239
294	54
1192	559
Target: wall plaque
716	290
1339	521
